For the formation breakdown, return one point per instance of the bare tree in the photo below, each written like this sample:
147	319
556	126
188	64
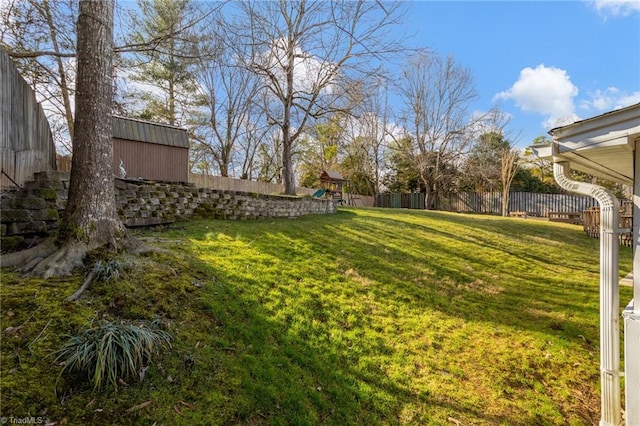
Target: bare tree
305	52
437	93
269	161
228	125
508	168
372	129
255	133
40	36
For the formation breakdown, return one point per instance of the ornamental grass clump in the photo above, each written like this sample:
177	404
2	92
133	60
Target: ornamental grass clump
110	270
112	351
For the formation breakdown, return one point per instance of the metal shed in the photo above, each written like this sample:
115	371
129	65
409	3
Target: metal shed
151	151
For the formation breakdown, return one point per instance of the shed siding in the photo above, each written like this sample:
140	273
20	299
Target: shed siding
151	161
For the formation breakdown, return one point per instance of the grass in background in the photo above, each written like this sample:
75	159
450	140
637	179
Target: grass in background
368	316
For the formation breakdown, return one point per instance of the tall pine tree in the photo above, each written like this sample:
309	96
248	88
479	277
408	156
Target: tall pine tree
162	73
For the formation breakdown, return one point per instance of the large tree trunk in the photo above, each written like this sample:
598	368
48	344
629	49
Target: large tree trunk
90	220
428	197
508	169
90	215
505	202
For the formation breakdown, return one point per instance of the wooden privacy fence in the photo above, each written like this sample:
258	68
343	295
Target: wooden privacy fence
64	163
241	185
413	200
533	204
355	200
26	144
591	222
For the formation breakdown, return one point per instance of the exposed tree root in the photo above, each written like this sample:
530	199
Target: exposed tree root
62	262
83	287
139	247
47	260
25	257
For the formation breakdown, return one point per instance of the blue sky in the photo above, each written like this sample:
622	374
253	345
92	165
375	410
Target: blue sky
545	63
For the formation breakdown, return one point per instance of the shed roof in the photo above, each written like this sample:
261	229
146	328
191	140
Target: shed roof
146	131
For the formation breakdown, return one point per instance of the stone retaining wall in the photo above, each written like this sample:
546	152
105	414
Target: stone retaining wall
142	203
34	211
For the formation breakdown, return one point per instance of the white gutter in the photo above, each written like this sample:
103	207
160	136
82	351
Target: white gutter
609	298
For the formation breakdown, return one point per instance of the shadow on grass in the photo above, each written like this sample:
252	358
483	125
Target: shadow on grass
288	355
363	317
313	328
442	276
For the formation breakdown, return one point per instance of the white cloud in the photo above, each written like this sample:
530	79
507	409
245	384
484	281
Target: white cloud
310	72
628	100
616	7
609	99
553	122
546	91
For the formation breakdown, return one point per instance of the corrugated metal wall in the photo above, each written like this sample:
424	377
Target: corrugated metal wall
26	144
151	161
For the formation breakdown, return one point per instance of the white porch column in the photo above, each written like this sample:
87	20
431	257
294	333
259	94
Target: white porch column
636	227
631	314
609	295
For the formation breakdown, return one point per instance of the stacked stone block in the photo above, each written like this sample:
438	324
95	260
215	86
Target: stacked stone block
142	203
34	211
236	205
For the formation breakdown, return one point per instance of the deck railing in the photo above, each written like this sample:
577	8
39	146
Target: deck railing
591	222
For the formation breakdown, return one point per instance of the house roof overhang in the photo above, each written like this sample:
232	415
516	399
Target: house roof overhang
601	145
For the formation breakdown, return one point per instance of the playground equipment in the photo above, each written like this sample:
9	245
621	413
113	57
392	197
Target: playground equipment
332	182
334	186
319	193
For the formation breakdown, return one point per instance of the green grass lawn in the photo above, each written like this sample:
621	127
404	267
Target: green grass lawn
367	316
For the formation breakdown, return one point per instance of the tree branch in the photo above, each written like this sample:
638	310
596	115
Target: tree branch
31	55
